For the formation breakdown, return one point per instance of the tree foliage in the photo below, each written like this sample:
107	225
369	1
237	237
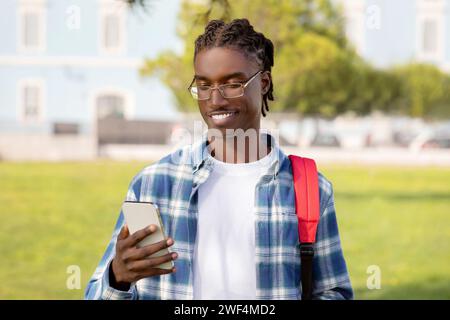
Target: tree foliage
424	90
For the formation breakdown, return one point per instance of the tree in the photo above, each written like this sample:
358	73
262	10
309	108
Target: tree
425	90
316	76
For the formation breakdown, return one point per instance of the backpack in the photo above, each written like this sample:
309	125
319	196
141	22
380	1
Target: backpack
306	186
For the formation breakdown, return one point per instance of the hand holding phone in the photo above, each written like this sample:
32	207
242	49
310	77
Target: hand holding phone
137	254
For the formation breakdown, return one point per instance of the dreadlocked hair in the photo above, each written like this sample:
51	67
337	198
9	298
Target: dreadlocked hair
239	34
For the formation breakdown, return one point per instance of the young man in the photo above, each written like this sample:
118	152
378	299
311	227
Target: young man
227	203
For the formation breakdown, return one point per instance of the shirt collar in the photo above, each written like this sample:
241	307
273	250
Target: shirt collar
200	154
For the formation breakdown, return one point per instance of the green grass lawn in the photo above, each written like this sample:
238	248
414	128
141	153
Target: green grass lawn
57	215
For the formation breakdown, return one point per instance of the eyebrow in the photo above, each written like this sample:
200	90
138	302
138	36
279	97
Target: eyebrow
226	77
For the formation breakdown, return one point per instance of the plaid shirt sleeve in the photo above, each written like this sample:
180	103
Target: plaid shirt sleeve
98	287
331	278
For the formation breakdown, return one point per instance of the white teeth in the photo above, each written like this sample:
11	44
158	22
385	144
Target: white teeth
221	116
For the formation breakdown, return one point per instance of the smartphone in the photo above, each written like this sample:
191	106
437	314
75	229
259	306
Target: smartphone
139	215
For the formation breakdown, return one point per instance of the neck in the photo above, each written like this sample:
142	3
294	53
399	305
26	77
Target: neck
240	147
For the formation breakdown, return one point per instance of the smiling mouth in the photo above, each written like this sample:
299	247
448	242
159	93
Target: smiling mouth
223	115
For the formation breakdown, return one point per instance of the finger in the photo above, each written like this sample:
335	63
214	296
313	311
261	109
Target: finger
140	235
144	265
163	271
124	233
134	254
157	272
148	250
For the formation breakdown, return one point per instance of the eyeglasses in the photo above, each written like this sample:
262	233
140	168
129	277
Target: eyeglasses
227	90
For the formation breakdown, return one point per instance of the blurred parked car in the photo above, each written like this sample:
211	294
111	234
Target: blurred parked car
435	138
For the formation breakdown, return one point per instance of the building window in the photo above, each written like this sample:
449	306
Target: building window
354	26
111	38
112	103
113	108
110	106
32	26
429	36
430	30
112	27
31	100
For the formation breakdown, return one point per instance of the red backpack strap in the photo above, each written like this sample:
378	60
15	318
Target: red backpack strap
306	186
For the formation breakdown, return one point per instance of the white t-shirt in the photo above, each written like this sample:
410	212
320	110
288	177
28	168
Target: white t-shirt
224	258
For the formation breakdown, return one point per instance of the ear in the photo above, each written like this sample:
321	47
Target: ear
266	79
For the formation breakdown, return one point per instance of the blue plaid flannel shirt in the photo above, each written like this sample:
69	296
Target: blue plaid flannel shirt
172	184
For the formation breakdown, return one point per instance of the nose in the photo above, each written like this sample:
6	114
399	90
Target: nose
216	98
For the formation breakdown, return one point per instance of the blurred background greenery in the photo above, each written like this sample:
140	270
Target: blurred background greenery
57	215
318	71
